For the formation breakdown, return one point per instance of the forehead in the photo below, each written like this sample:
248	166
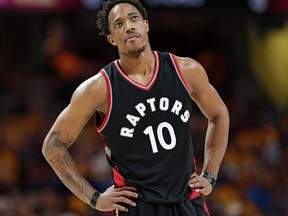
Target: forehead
121	10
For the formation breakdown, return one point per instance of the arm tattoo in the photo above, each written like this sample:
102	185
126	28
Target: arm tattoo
53	141
65	167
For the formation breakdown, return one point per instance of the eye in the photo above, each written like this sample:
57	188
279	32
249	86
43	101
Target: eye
118	25
135	18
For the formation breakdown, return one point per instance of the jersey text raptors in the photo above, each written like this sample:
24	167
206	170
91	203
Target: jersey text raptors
146	131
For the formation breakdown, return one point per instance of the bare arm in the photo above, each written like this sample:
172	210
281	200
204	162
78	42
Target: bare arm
213	108
64	132
217	130
88	97
55	151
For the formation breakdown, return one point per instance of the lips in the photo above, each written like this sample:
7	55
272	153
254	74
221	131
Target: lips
132	35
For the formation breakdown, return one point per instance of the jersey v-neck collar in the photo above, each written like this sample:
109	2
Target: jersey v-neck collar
139	85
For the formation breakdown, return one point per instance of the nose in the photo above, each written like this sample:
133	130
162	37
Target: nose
129	26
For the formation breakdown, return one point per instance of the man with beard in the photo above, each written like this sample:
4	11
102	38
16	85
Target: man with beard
143	103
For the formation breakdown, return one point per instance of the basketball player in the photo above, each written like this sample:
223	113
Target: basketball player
143	106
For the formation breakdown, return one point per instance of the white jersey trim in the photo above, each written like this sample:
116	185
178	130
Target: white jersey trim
151	82
109	101
179	73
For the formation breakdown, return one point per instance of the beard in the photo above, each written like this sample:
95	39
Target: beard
136	52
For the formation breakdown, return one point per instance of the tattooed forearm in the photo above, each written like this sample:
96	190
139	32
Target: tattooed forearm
61	161
53	141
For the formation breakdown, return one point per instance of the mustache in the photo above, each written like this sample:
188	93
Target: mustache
131	35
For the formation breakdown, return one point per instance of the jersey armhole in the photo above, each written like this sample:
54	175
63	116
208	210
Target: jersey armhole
109	101
177	68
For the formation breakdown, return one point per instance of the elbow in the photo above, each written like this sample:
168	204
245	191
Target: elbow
223	121
222	117
225	117
225	114
44	150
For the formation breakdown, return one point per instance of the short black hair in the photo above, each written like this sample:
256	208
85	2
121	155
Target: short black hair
102	16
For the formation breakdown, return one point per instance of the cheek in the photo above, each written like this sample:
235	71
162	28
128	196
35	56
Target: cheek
118	39
146	26
145	33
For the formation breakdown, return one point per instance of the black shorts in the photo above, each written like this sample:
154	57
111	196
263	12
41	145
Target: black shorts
194	206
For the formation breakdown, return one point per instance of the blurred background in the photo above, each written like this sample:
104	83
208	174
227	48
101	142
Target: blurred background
48	47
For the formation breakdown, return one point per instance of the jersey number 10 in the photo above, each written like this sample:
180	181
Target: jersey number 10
168	146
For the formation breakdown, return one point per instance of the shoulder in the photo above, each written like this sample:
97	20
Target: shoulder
193	73
189	64
92	92
92	84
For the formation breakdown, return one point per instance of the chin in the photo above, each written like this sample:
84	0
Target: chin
136	52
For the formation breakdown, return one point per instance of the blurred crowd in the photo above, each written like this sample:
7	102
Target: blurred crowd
41	69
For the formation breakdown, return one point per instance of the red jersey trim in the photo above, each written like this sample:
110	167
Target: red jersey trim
106	148
176	65
118	179
206	208
109	101
151	82
194	195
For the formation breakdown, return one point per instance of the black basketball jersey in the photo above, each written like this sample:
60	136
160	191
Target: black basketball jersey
146	131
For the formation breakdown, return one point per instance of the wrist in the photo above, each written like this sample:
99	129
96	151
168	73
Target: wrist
94	199
211	179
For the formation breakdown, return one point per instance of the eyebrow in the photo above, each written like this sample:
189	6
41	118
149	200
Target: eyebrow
129	14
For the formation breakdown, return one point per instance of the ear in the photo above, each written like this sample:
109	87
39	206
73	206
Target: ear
146	25
110	39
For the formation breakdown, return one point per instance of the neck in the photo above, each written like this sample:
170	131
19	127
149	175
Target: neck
141	64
